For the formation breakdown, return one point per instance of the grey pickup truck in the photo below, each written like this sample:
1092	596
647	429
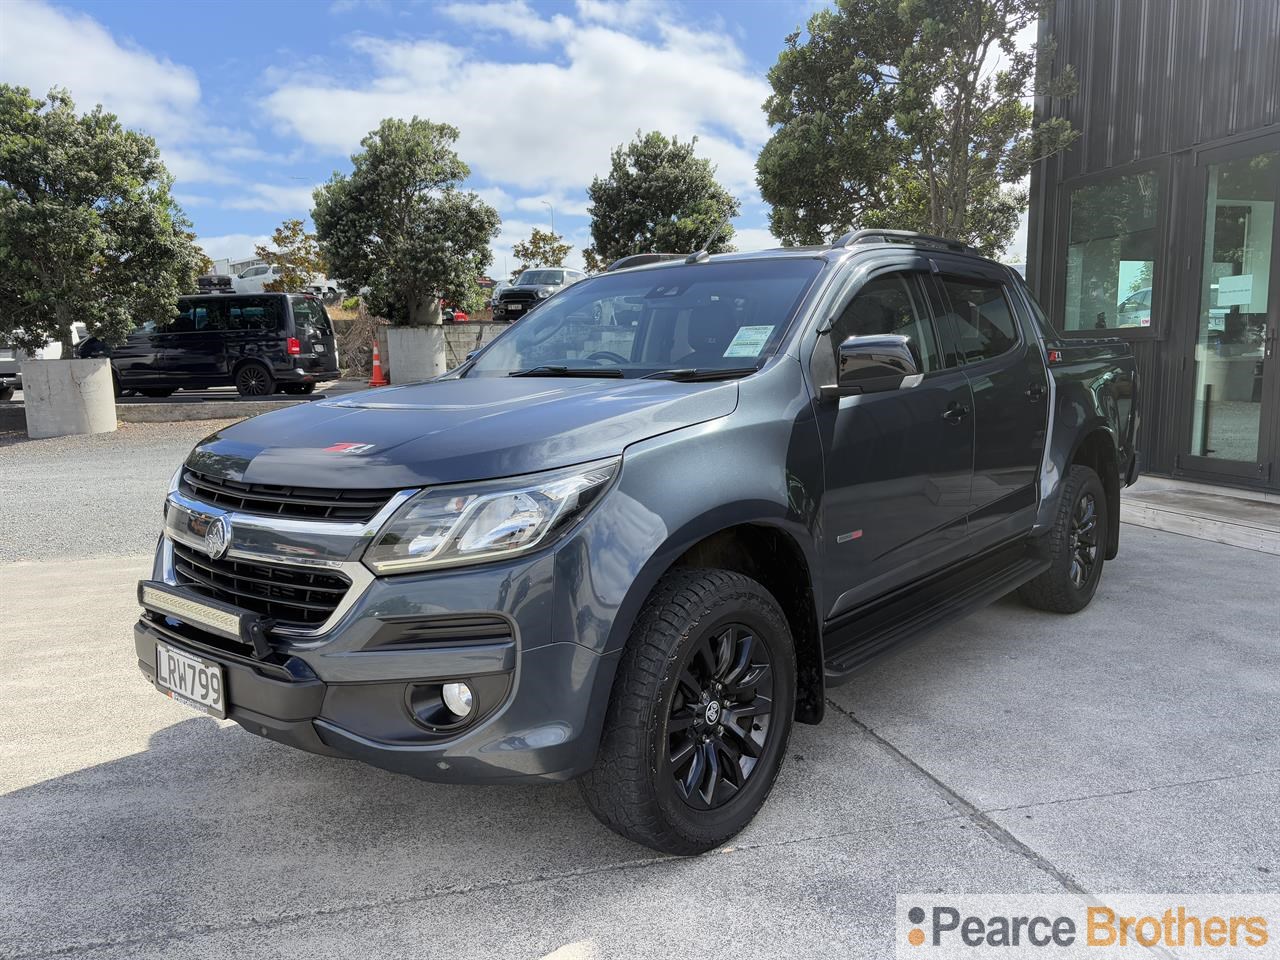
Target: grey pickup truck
638	535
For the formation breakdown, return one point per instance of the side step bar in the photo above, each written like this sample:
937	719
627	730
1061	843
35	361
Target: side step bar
880	625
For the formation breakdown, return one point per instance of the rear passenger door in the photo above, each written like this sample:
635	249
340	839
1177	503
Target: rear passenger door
1007	375
897	464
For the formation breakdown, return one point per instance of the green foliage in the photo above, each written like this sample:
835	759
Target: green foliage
594	263
297	254
400	226
658	197
542	249
88	229
351	303
890	114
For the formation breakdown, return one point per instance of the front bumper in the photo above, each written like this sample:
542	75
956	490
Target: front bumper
350	693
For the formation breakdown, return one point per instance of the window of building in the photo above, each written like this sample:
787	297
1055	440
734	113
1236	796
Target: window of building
1111	253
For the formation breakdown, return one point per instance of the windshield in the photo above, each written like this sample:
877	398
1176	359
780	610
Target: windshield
541	278
707	316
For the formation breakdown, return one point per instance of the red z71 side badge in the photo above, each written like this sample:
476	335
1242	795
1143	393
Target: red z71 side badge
349	448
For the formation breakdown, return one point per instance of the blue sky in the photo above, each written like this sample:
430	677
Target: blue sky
253	104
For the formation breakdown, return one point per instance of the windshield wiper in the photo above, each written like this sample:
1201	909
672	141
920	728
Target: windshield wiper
559	370
689	374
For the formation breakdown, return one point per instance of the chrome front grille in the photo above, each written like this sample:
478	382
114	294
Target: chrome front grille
268	500
290	595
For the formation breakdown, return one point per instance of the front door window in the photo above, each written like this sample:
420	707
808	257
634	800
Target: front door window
1231	346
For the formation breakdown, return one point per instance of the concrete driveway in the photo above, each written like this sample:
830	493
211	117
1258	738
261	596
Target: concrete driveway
1129	748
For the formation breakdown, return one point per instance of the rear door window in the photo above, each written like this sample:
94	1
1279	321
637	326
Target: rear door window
981	318
310	318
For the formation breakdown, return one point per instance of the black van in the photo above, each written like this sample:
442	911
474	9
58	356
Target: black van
260	343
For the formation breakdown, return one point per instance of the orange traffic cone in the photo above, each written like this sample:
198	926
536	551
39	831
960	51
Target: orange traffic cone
379	379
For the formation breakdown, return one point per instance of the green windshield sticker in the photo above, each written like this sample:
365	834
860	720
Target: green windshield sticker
748	341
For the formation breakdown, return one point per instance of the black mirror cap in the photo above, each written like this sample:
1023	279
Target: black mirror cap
875	363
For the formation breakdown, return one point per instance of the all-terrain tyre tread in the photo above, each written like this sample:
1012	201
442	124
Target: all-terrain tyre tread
620	788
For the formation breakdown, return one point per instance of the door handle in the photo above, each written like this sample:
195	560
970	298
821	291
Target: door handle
955	412
1036	392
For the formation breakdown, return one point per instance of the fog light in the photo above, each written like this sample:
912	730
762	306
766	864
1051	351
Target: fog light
458	698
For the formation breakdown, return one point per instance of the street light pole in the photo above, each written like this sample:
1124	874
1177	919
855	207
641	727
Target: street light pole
547	204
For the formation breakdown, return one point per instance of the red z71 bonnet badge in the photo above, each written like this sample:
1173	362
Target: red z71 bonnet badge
349	448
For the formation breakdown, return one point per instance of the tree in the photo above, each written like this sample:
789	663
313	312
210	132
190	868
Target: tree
658	197
297	254
892	113
88	229
593	261
399	225
542	249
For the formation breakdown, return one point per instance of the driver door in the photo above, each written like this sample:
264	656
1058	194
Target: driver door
898	463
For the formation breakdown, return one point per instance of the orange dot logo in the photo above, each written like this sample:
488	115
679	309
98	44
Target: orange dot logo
915	936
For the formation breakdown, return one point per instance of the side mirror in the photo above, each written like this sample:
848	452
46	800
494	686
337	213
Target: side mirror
874	364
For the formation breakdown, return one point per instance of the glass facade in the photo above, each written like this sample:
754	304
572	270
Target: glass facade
1111	253
1231	343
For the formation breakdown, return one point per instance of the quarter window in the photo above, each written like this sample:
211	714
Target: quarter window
889	304
981	318
255	313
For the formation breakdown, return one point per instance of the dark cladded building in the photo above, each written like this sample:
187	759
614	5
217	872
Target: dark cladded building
1160	223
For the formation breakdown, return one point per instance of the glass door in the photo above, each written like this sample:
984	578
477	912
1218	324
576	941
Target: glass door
1234	422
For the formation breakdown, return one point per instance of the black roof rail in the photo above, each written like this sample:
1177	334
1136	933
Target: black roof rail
640	259
903	236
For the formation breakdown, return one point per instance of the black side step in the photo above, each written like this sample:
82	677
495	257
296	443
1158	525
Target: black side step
882	624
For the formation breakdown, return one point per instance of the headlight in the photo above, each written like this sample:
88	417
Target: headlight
494	520
543	294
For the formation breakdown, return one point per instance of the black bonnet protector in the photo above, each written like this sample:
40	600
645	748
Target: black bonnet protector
455	430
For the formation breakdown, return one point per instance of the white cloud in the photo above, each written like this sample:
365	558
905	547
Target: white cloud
188	166
513	17
194	199
43	46
273	198
748	239
569	111
233	245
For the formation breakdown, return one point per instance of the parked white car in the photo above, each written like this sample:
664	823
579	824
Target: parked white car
11	359
255	279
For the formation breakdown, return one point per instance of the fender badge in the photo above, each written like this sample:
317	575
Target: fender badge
846	537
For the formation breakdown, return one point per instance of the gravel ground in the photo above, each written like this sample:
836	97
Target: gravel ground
114	482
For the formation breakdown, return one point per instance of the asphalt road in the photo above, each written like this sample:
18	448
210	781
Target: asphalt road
1129	748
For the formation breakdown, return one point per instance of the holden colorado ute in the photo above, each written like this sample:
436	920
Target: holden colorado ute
638	535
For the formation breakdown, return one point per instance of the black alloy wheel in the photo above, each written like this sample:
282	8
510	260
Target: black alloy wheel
718	724
253	380
1084	539
1075	546
700	714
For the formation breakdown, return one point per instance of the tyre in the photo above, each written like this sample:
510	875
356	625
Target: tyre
157	392
1076	545
255	380
6	392
700	714
298	389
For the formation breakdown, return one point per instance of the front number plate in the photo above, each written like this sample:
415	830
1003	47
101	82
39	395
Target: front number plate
515	306
197	683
